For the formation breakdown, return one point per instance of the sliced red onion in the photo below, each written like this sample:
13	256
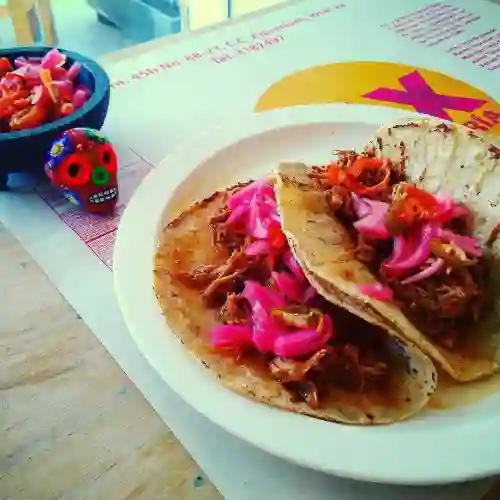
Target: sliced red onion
303	342
310	293
259	220
372	226
468	244
259	247
265	334
79	99
289	286
231	336
73	71
293	266
30	73
433	268
244	195
360	206
237	215
298	343
417	251
255	293
450	209
20	61
400	245
84	89
59	74
53	59
373	222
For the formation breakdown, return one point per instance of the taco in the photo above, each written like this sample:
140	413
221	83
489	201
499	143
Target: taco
234	294
406	230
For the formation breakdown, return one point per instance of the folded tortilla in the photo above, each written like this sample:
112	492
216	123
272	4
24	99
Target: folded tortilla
187	242
441	158
452	160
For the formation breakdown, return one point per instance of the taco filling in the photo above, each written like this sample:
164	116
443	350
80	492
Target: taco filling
420	247
267	309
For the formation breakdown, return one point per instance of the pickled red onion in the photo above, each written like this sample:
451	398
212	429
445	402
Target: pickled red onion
416	250
79	98
53	59
20	61
433	268
468	244
398	250
360	206
259	295
262	301
293	266
411	252
265	330
256	248
73	71
372	215
238	214
246	194
372	226
309	294
300	343
288	285
231	336
253	210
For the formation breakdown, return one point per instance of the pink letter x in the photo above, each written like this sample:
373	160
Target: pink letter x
420	95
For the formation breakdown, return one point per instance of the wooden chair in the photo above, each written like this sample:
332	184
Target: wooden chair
25	14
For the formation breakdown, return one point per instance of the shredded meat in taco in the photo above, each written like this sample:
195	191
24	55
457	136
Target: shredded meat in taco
233	292
420	246
351	355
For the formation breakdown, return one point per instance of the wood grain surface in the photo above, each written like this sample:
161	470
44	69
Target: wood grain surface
73	426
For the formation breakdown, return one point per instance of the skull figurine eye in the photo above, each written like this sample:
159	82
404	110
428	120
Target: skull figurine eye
107	158
75	171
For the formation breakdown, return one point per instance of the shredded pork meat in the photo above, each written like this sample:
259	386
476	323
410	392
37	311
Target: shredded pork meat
236	310
446	303
309	380
217	282
443	305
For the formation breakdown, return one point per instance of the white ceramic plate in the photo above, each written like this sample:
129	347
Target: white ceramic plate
434	447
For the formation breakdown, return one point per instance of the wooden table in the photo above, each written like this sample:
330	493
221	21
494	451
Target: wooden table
73	425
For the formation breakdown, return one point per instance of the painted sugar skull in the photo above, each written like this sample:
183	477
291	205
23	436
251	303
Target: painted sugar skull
83	165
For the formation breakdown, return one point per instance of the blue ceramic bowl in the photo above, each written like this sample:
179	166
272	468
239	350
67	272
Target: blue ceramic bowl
26	150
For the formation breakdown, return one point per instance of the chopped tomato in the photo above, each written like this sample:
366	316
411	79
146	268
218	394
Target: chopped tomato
5	66
336	175
276	237
412	205
278	242
27	118
359	175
